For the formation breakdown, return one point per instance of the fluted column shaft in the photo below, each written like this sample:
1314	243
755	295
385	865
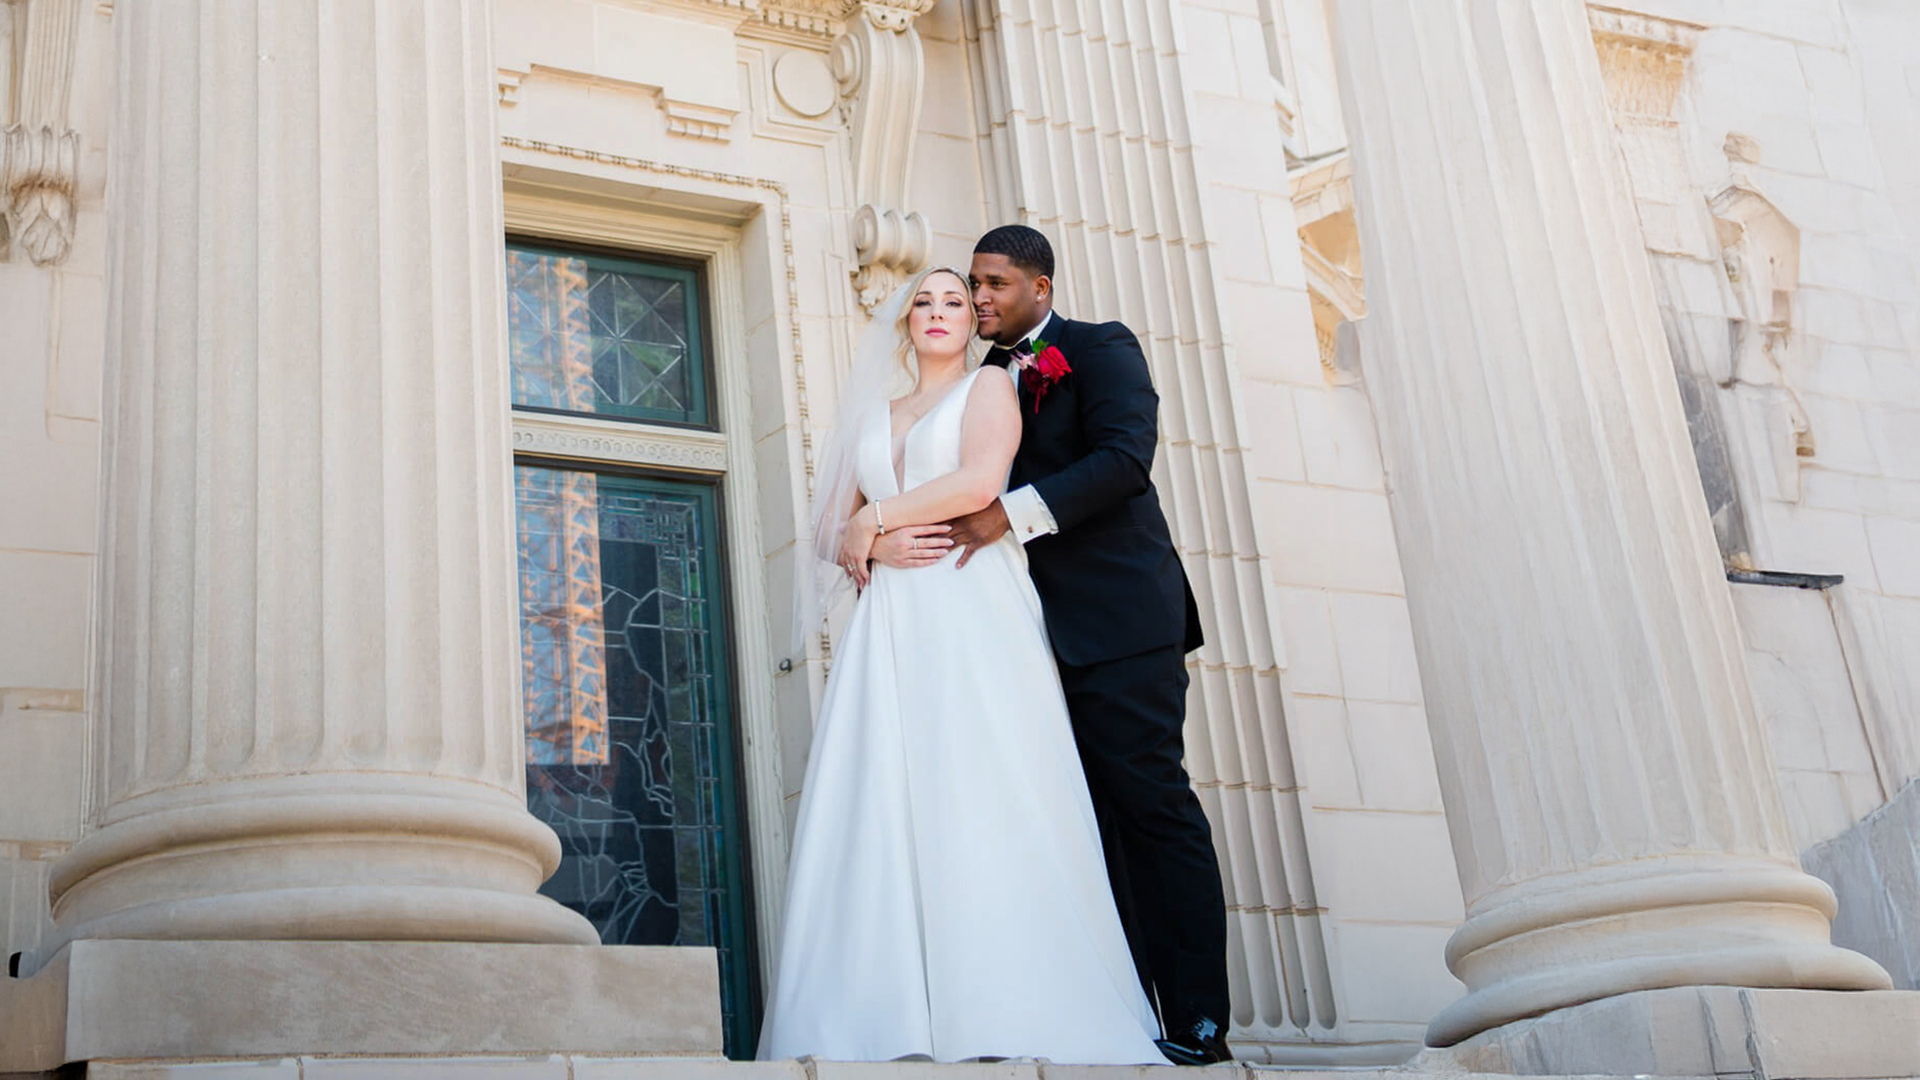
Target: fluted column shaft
1612	803
305	709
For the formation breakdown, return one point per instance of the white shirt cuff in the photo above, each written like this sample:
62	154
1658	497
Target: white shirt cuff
1028	514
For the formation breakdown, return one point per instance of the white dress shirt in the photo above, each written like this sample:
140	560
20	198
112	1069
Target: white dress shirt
1026	511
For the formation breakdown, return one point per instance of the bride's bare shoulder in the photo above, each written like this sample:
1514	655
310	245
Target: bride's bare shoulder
992	389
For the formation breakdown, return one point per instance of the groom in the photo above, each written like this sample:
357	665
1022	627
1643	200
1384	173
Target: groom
1119	614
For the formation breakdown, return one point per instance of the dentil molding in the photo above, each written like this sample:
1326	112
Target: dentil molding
39	154
1643	61
881	69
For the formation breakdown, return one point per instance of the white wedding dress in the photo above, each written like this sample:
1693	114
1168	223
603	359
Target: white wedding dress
947	896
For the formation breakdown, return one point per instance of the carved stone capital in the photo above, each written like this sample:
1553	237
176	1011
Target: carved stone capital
881	70
37	173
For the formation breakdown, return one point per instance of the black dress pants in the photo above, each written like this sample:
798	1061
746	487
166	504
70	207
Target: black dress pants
1127	718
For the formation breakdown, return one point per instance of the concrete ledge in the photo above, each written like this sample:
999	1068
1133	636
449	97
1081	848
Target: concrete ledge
1722	1031
270	999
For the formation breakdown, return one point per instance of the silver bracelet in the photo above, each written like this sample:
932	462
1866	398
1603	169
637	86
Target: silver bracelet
879	523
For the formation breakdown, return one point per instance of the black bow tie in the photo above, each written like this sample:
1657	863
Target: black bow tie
1001	356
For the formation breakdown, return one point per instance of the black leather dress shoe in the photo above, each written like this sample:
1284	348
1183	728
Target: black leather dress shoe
1196	1042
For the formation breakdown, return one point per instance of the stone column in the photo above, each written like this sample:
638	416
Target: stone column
1611	800
306	711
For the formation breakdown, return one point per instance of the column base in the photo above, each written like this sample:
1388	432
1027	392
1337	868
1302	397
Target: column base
117	999
1709	920
319	856
1727	1032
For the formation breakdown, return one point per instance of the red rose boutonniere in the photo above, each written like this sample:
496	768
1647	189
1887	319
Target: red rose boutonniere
1049	366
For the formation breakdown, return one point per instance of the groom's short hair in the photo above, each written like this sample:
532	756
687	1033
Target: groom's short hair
1026	248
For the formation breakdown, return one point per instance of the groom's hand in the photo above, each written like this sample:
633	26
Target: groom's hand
978	529
912	546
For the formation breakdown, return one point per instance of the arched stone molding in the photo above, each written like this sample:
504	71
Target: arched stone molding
1147	258
881	70
39	153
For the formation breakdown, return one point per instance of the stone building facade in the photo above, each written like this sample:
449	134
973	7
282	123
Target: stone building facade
407	410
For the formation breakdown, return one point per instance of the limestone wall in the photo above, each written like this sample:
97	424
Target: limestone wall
52	322
1772	149
1875	869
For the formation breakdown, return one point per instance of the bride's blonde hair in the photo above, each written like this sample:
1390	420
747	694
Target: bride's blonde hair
908	376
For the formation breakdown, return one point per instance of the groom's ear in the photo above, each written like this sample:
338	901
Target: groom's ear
1043	287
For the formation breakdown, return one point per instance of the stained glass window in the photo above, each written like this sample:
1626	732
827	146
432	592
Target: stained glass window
610	336
630	743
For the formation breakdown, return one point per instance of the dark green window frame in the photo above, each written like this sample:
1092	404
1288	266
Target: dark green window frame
740	976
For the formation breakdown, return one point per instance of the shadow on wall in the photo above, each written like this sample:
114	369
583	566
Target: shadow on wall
1875	868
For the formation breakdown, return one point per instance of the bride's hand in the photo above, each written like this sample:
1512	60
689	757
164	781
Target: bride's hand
856	548
857	569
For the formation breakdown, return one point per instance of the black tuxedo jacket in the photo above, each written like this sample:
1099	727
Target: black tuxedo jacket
1110	582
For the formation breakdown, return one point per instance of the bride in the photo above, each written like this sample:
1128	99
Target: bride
947	897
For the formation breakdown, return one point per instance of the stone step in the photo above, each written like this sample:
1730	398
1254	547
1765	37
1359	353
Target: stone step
584	1067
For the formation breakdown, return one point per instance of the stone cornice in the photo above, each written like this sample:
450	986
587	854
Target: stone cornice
1645	31
582	438
1321	188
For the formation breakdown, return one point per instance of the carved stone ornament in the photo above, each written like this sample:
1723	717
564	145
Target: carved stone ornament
1760	251
895	15
39	155
881	70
